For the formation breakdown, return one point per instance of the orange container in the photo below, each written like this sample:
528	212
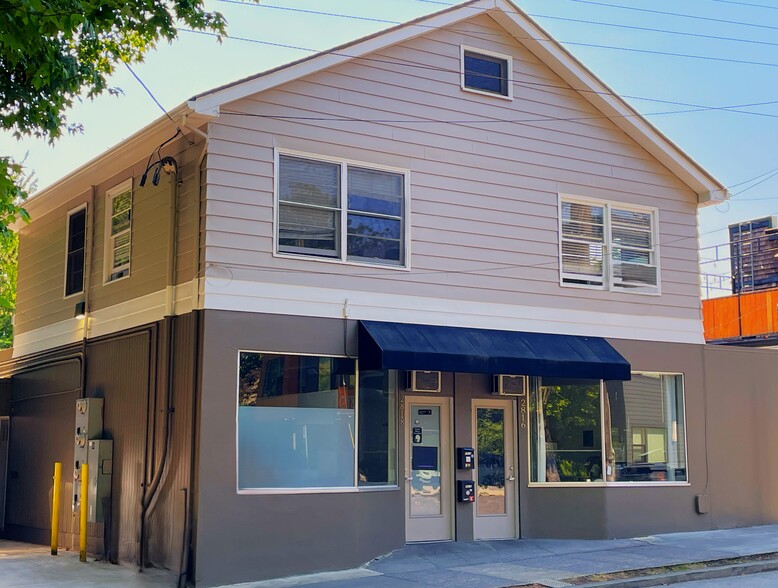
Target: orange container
746	315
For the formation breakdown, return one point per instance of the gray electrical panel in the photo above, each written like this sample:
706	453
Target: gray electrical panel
100	460
89	425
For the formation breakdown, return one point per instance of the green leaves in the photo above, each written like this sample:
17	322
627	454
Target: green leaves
53	52
9	247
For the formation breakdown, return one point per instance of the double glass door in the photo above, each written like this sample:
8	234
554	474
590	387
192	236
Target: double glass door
429	479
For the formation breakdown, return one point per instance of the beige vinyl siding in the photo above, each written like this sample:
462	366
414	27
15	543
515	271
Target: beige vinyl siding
484	223
40	288
41	300
483	195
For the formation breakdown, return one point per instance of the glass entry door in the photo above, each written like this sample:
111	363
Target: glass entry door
496	469
428	493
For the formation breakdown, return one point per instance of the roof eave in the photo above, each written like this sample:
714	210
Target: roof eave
113	159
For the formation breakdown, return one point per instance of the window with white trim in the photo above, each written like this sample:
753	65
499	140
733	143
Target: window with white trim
314	422
593	431
118	231
608	246
75	253
485	72
340	210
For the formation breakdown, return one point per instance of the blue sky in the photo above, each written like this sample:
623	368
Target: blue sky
734	146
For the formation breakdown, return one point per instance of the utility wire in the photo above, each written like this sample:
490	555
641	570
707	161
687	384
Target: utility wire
533	15
677	14
651	30
745	4
162	108
521	83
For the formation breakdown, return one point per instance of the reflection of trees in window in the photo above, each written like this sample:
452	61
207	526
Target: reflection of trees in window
491	446
567	427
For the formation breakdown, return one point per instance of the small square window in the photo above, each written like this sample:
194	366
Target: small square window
486	73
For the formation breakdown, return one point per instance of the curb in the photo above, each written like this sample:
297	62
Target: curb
710	573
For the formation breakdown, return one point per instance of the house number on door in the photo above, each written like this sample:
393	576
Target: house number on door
523	413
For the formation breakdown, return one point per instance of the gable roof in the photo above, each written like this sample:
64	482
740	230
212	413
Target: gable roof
526	32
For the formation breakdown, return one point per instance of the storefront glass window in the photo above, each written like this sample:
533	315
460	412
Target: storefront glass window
377	429
296	421
565	431
645	417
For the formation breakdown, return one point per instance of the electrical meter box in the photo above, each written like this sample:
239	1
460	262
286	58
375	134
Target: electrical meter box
100	460
465	491
89	425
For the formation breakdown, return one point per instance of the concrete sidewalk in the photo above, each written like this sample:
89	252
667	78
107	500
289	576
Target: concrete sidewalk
485	564
23	565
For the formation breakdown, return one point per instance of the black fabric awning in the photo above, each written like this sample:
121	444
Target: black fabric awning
483	351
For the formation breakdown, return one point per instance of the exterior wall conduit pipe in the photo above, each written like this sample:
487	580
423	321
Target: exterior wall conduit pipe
169	165
150	498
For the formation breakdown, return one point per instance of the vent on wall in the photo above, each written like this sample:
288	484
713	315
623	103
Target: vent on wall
505	385
421	381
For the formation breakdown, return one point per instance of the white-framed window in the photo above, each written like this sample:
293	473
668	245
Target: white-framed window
118	231
620	433
486	72
314	423
341	210
75	251
608	245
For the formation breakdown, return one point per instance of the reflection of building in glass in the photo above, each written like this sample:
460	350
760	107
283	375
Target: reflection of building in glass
754	251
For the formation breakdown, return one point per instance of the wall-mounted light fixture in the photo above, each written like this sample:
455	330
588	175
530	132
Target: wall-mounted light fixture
80	310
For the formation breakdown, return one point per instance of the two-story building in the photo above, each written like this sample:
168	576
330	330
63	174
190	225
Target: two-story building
330	295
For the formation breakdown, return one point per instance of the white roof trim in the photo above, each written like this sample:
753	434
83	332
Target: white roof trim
209	102
602	97
536	40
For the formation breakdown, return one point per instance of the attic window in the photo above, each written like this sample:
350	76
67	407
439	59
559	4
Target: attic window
488	73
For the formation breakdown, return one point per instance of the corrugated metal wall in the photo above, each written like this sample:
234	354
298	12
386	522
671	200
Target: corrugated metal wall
118	370
167	515
129	372
5	396
42	421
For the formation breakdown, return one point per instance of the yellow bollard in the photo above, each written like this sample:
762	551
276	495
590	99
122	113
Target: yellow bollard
82	518
55	508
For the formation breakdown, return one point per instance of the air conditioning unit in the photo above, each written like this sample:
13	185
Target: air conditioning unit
421	381
505	385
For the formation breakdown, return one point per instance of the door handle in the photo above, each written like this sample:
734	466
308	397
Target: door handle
511	478
408	479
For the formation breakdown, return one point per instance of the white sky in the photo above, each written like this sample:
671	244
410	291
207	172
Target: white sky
733	146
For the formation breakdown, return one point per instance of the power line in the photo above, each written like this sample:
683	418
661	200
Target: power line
157	102
583	21
652	30
677	14
429	121
745	4
520	83
150	93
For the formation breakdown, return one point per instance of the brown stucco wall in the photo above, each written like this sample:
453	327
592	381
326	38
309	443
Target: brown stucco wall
730	404
253	537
